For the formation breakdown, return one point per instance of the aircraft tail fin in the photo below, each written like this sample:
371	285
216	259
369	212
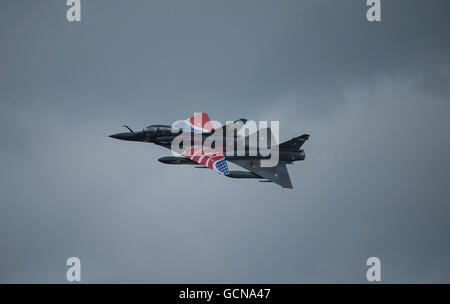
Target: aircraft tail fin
295	143
199	122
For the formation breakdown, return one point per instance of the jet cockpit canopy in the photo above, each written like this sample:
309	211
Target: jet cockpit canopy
162	130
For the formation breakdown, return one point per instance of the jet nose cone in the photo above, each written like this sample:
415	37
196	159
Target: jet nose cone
123	136
114	136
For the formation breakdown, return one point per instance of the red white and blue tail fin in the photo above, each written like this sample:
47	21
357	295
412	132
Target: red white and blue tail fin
199	122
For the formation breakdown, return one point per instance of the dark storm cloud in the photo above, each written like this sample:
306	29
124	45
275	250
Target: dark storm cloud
374	97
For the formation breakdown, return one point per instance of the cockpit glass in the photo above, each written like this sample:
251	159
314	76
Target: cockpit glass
163	130
150	129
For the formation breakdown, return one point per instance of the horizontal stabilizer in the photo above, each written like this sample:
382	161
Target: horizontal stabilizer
277	174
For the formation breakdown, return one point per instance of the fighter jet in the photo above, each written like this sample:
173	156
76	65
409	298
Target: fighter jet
215	156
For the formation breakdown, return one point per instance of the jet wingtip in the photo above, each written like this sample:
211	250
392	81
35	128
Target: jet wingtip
304	136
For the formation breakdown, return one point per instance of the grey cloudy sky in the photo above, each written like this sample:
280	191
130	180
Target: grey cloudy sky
374	97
